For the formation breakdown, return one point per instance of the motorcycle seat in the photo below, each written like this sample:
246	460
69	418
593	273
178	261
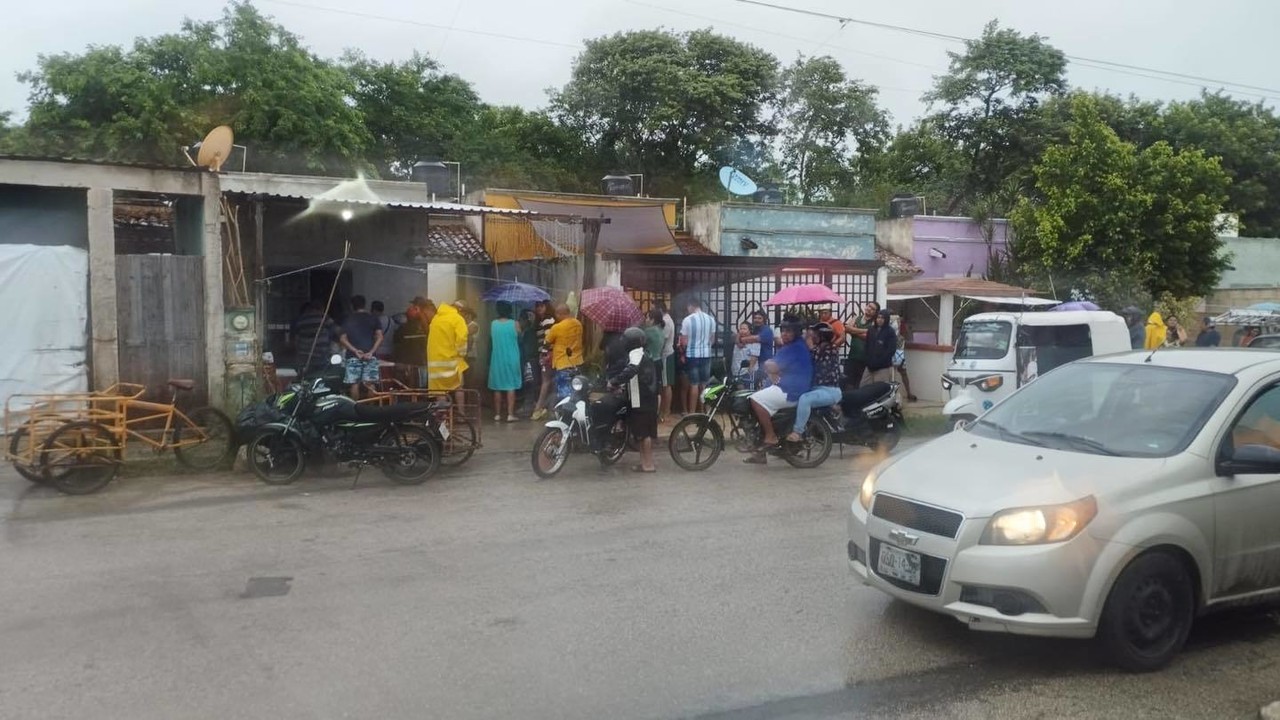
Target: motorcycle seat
366	412
865	395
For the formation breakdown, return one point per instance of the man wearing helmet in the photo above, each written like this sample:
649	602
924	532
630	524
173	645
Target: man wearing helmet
640	377
796	369
826	377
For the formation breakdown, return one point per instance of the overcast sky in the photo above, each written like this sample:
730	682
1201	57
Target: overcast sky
1229	40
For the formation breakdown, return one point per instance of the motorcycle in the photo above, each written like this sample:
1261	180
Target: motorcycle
404	440
578	419
870	416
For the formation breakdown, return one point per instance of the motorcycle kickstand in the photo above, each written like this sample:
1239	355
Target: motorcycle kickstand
356	479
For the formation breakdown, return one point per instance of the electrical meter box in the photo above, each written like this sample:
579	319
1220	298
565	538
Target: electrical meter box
242	336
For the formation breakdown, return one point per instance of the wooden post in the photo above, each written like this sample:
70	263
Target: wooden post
590	247
259	287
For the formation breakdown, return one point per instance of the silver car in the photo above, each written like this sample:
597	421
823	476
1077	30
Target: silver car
1114	498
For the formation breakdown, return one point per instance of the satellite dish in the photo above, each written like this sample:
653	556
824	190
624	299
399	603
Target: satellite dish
215	148
736	182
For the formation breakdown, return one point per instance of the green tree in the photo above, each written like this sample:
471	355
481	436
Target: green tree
989	102
828	125
412	111
1102	208
517	148
667	104
142	104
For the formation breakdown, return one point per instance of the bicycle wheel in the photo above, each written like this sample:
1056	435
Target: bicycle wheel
216	447
696	442
461	443
20	449
80	457
277	458
418	458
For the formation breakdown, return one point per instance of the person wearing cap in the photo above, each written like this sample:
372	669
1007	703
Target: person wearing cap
1209	335
826	316
795	366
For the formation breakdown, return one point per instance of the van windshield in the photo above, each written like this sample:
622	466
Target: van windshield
983	340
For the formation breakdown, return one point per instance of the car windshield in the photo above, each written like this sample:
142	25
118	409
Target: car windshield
983	340
1109	409
1270	342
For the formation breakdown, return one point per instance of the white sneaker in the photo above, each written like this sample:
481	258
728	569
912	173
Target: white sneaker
497	418
512	418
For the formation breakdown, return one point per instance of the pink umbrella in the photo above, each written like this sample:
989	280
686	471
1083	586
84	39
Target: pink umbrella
611	308
805	295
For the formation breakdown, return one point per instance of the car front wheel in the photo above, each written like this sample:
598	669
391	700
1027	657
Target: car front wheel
1148	613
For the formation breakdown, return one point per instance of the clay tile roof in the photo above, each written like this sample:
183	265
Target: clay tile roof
897	264
449	242
689	245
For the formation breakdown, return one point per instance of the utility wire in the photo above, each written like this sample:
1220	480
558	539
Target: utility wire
1108	64
419	23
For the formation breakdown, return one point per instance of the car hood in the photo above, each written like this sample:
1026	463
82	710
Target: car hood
979	476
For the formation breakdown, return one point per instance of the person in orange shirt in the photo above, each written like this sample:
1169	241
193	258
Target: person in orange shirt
825	315
565	339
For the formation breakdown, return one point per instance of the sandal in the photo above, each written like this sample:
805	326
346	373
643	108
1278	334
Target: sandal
755	460
794	438
640	469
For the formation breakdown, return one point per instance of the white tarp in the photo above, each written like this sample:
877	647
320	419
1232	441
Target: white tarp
44	293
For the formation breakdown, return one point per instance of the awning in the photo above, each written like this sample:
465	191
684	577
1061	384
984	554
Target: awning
350	191
630	230
906	297
1027	301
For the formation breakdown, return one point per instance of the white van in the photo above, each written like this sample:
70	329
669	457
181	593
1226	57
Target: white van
998	352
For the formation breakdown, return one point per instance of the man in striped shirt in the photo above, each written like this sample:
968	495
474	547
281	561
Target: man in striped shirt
697	333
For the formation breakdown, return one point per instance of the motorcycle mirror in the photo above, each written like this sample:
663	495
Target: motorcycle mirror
335	359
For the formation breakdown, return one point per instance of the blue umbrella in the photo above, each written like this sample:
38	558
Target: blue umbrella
1077	305
516	292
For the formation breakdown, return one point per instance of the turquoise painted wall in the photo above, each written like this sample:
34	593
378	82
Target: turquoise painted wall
789	231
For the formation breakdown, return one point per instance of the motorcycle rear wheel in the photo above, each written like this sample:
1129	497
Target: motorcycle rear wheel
696	442
547	448
276	458
419	460
813	450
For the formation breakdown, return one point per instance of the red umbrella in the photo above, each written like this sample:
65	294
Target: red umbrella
611	308
805	295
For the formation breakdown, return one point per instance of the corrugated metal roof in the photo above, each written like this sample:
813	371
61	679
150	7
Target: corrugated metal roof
100	161
360	191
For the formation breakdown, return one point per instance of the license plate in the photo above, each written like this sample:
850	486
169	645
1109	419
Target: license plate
899	564
444	431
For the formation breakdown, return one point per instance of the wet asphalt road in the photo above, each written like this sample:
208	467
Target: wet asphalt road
487	594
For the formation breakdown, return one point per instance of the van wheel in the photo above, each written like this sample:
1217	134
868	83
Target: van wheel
1148	613
960	422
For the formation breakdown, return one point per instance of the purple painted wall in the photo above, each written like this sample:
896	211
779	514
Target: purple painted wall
960	239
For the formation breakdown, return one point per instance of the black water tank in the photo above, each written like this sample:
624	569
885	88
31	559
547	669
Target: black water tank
619	184
904	205
437	176
770	193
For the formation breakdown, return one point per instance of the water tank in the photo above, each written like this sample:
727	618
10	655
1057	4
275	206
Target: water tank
904	205
617	183
770	193
437	176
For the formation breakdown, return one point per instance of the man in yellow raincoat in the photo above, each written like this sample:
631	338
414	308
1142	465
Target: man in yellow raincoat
446	348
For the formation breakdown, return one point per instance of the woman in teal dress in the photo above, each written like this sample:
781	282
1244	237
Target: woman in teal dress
504	363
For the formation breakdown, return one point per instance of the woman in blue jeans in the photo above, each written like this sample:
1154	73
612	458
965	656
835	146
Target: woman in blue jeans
826	377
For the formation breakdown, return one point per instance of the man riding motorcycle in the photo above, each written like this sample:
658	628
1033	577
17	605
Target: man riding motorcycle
623	366
796	367
826	377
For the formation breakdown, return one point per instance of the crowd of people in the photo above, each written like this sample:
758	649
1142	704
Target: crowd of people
1151	331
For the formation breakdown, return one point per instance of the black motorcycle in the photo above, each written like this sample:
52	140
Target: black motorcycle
401	440
596	422
869	416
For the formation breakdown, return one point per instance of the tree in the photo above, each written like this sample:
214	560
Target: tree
512	147
665	104
1102	208
827	126
412	111
989	102
144	103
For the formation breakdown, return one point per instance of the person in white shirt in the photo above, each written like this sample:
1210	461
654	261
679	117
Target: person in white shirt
697	336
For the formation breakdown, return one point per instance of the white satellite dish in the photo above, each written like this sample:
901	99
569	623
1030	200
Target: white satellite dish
736	182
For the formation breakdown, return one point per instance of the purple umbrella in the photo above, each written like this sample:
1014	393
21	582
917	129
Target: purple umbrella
1077	305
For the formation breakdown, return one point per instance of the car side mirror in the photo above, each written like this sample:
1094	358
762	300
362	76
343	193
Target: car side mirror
1250	460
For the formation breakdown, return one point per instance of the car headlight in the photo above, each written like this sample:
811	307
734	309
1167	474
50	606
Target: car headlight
1039	525
578	384
868	490
989	383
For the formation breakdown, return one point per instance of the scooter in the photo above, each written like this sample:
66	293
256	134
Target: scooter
578	420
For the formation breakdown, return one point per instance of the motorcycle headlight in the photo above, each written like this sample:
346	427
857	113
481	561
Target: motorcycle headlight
946	383
1039	525
989	383
578	384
